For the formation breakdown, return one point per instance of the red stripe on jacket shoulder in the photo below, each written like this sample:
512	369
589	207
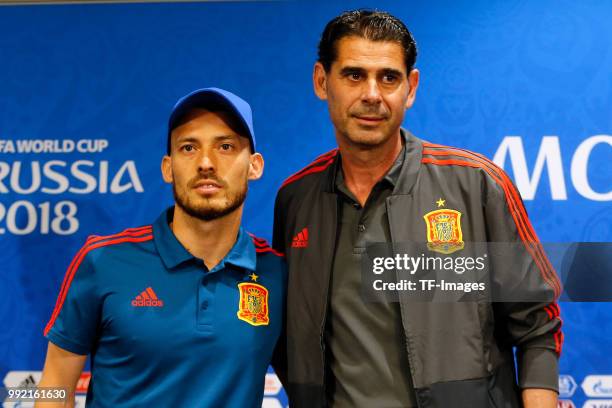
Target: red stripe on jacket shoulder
140	234
318	165
261	246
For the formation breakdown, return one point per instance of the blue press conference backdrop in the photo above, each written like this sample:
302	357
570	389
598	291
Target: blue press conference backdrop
85	92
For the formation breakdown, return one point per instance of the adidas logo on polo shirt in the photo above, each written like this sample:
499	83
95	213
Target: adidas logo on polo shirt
147	298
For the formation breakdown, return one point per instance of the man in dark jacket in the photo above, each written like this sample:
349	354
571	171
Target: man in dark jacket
383	184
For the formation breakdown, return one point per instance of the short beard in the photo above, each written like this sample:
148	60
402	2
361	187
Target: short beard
207	213
363	143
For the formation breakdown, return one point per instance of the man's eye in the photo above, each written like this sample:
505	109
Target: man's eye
355	76
389	79
187	148
226	146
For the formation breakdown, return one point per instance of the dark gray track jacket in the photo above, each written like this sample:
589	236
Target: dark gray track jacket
460	354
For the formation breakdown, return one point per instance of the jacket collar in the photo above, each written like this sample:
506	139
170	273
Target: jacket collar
413	152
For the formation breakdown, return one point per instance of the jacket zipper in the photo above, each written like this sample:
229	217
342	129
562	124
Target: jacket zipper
326	309
401	306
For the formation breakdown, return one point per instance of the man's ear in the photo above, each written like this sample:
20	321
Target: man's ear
413	82
166	169
319	81
256	166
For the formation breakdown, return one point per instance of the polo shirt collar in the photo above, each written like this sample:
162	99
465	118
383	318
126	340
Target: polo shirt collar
173	253
392	176
403	172
242	254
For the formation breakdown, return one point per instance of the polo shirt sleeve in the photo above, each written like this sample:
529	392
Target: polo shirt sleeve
76	316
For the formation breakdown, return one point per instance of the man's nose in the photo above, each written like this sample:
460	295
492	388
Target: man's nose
371	92
206	162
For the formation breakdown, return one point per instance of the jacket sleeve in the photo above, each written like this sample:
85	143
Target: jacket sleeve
279	357
278	234
530	322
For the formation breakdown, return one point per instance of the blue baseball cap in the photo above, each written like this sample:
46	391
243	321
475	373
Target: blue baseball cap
214	99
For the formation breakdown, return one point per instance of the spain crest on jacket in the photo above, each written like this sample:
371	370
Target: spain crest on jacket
444	231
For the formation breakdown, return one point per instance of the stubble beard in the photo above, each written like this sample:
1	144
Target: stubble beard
208	211
365	139
361	136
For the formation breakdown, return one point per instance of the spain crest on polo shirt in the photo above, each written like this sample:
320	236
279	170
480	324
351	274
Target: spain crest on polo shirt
253	305
444	231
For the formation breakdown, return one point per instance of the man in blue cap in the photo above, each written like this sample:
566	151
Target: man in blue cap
187	311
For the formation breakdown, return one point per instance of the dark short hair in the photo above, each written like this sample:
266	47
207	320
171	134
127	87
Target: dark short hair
368	24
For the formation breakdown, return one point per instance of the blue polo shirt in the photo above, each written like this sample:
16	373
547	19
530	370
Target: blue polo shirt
162	329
